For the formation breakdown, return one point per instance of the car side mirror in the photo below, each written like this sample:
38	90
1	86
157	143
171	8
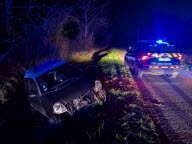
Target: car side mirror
129	48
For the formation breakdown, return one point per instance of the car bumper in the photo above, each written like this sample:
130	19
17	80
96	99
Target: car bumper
160	71
85	101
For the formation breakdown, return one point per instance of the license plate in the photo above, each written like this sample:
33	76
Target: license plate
164	59
165	64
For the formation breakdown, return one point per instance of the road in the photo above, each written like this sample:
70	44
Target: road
174	99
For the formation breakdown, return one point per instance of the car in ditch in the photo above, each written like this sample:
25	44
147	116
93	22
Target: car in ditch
156	58
57	89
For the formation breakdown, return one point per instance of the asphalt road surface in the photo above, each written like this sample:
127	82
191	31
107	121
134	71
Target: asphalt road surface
172	103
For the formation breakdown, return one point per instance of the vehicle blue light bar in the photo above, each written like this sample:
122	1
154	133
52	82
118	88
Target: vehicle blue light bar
161	42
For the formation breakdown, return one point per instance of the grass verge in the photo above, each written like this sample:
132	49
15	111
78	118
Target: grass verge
186	63
126	111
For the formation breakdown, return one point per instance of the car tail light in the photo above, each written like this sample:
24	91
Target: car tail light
179	56
145	57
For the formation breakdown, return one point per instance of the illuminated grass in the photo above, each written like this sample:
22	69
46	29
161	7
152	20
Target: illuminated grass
135	125
81	57
111	58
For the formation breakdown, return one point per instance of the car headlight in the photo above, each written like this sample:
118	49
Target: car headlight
59	108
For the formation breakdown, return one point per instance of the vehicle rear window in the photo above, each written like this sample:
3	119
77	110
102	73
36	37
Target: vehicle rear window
162	48
158	48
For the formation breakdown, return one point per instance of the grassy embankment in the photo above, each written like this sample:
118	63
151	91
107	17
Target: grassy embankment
124	119
133	123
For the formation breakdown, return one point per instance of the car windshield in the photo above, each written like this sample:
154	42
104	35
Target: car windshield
62	75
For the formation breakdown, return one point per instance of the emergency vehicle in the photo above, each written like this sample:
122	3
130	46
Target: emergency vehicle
156	58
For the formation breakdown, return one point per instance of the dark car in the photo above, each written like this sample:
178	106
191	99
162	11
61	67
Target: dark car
58	89
153	58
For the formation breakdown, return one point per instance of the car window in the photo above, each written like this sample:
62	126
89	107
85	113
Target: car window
31	86
132	49
157	48
60	75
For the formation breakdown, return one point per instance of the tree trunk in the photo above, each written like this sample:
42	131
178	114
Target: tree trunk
9	21
85	23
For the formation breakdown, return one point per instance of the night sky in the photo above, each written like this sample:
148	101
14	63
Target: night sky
152	19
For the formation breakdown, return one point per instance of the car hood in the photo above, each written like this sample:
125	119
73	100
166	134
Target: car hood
73	90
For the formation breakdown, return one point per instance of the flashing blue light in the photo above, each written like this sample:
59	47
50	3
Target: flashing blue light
161	42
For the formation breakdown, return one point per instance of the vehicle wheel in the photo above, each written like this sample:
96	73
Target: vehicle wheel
138	72
39	119
174	75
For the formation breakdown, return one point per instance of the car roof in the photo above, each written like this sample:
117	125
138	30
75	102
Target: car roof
43	68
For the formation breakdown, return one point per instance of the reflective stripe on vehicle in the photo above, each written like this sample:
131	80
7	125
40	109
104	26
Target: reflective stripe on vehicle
169	55
164	67
174	55
155	67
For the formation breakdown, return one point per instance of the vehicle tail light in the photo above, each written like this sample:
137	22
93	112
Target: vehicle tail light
145	57
179	56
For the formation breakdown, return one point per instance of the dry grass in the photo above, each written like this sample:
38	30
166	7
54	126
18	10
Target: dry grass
121	53
83	57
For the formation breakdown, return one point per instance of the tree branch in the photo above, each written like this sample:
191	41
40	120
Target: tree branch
30	2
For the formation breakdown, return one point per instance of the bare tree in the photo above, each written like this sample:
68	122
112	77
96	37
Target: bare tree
90	16
42	26
53	25
9	27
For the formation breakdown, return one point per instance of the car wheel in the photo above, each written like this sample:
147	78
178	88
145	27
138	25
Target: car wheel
174	75
39	120
138	72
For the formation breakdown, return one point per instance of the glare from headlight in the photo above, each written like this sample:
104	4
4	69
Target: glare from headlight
59	108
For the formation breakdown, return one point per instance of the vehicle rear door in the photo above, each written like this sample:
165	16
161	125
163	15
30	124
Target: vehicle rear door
33	95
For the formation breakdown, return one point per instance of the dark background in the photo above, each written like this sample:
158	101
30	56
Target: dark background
152	19
131	20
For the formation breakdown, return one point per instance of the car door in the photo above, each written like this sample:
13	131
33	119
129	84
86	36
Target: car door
33	96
